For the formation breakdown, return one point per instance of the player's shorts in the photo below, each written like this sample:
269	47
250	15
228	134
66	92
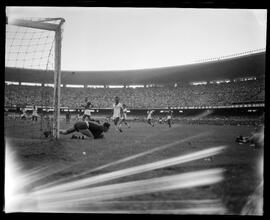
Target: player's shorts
149	119
86	116
115	120
80	125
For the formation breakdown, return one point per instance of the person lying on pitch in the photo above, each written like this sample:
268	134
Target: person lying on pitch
89	129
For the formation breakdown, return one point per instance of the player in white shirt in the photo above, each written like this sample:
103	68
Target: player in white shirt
35	114
124	116
24	114
87	112
149	117
117	114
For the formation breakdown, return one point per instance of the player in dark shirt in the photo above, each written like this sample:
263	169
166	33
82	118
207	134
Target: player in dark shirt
68	116
87	128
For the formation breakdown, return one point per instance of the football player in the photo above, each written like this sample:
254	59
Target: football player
89	129
117	113
149	117
124	116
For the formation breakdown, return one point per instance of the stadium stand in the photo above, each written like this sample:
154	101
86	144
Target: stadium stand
184	95
180	96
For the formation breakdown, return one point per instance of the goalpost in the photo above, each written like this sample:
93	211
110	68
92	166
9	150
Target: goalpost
52	25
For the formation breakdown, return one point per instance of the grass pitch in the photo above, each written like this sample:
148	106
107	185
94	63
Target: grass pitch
74	156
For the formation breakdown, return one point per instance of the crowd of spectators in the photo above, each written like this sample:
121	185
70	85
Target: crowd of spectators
184	95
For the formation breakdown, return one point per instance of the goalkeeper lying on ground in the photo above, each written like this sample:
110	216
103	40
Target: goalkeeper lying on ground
87	128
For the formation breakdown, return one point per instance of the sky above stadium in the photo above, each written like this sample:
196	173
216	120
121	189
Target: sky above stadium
138	38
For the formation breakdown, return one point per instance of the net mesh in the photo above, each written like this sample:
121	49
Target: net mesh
31	48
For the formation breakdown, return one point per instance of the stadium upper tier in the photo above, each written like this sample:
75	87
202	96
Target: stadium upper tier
183	95
242	66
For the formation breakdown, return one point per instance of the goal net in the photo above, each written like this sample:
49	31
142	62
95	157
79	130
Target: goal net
32	76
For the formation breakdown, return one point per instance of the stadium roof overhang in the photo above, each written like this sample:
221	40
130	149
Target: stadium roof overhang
249	65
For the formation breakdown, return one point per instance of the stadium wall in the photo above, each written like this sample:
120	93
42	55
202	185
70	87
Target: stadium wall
255	110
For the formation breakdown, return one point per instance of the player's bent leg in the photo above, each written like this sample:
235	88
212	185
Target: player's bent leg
87	133
121	121
126	123
119	126
115	121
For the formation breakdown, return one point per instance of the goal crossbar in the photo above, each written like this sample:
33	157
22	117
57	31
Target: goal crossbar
37	24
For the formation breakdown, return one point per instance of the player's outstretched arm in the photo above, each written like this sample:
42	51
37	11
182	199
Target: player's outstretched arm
68	131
